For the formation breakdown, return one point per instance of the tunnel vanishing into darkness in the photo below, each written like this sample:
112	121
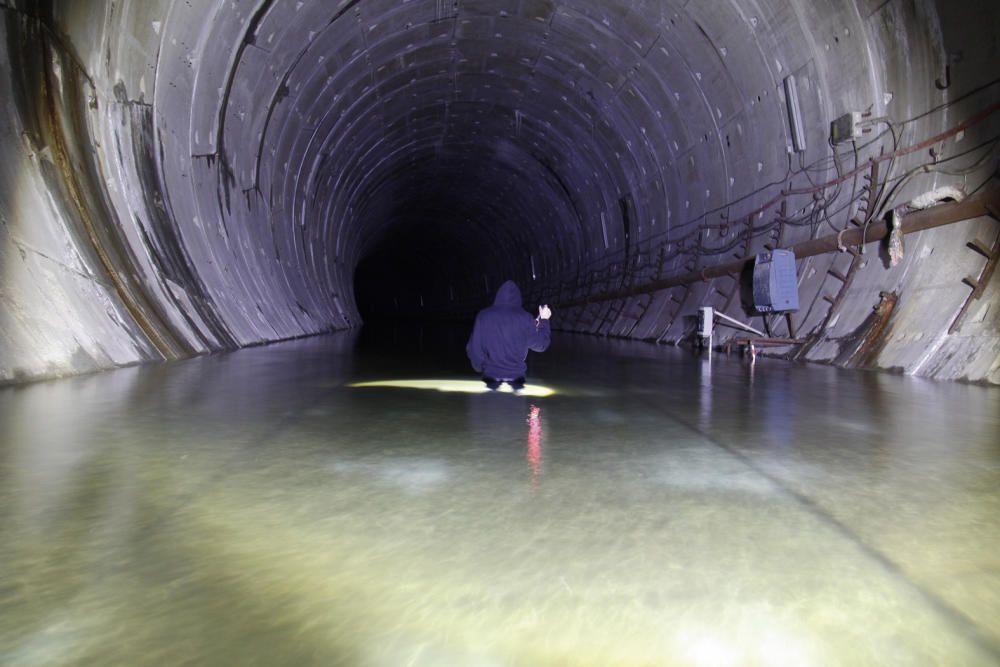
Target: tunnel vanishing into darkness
186	177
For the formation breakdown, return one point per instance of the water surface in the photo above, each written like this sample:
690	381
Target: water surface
659	509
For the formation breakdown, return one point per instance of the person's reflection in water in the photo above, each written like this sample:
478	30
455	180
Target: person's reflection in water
496	429
534	455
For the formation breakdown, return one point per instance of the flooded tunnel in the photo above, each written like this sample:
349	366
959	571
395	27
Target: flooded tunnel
242	246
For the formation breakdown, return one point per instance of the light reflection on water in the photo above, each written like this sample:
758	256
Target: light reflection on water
252	509
457	386
534	452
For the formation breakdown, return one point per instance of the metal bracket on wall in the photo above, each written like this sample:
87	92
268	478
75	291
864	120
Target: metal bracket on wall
978	284
679	307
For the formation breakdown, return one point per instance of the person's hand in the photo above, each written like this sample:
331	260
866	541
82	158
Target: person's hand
544	312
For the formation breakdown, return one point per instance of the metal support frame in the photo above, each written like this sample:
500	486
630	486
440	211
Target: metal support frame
978	284
737	323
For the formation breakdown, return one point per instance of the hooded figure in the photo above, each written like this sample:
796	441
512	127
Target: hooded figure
502	336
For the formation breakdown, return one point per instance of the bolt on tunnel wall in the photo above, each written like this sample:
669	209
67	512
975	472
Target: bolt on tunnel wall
184	178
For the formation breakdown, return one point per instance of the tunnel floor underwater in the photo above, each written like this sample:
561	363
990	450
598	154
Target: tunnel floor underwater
657	508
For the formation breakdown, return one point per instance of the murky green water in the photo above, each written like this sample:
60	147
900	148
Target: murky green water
659	509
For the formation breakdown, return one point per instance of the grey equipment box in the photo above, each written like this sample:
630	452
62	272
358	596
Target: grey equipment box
775	284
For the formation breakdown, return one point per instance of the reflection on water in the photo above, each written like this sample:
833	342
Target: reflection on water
458	386
253	508
535	444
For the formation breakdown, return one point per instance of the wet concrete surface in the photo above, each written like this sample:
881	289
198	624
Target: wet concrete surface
658	509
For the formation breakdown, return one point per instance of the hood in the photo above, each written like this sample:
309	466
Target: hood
508	295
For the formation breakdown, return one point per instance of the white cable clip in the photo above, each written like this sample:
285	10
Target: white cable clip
840	241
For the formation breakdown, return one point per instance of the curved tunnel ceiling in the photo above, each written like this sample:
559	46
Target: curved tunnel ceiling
514	113
261	157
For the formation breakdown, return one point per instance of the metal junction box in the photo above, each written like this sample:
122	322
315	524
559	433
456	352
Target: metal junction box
846	128
775	284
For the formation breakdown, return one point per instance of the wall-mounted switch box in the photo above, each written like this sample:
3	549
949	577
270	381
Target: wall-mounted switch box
775	282
706	323
794	114
846	128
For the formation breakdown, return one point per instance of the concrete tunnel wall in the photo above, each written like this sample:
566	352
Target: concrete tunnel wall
183	177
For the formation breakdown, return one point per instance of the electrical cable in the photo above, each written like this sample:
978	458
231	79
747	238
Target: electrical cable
950	103
679	243
932	167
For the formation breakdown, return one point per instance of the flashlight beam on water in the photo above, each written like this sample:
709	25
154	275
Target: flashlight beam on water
457	386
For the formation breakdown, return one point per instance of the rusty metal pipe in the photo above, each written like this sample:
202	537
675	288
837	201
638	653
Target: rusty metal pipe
937	216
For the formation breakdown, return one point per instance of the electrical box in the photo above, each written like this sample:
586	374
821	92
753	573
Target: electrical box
705	321
794	114
775	283
846	128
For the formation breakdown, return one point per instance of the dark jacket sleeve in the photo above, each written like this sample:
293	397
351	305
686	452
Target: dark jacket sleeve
474	348
540	337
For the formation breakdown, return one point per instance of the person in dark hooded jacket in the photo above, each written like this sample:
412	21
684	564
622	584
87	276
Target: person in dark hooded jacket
502	336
